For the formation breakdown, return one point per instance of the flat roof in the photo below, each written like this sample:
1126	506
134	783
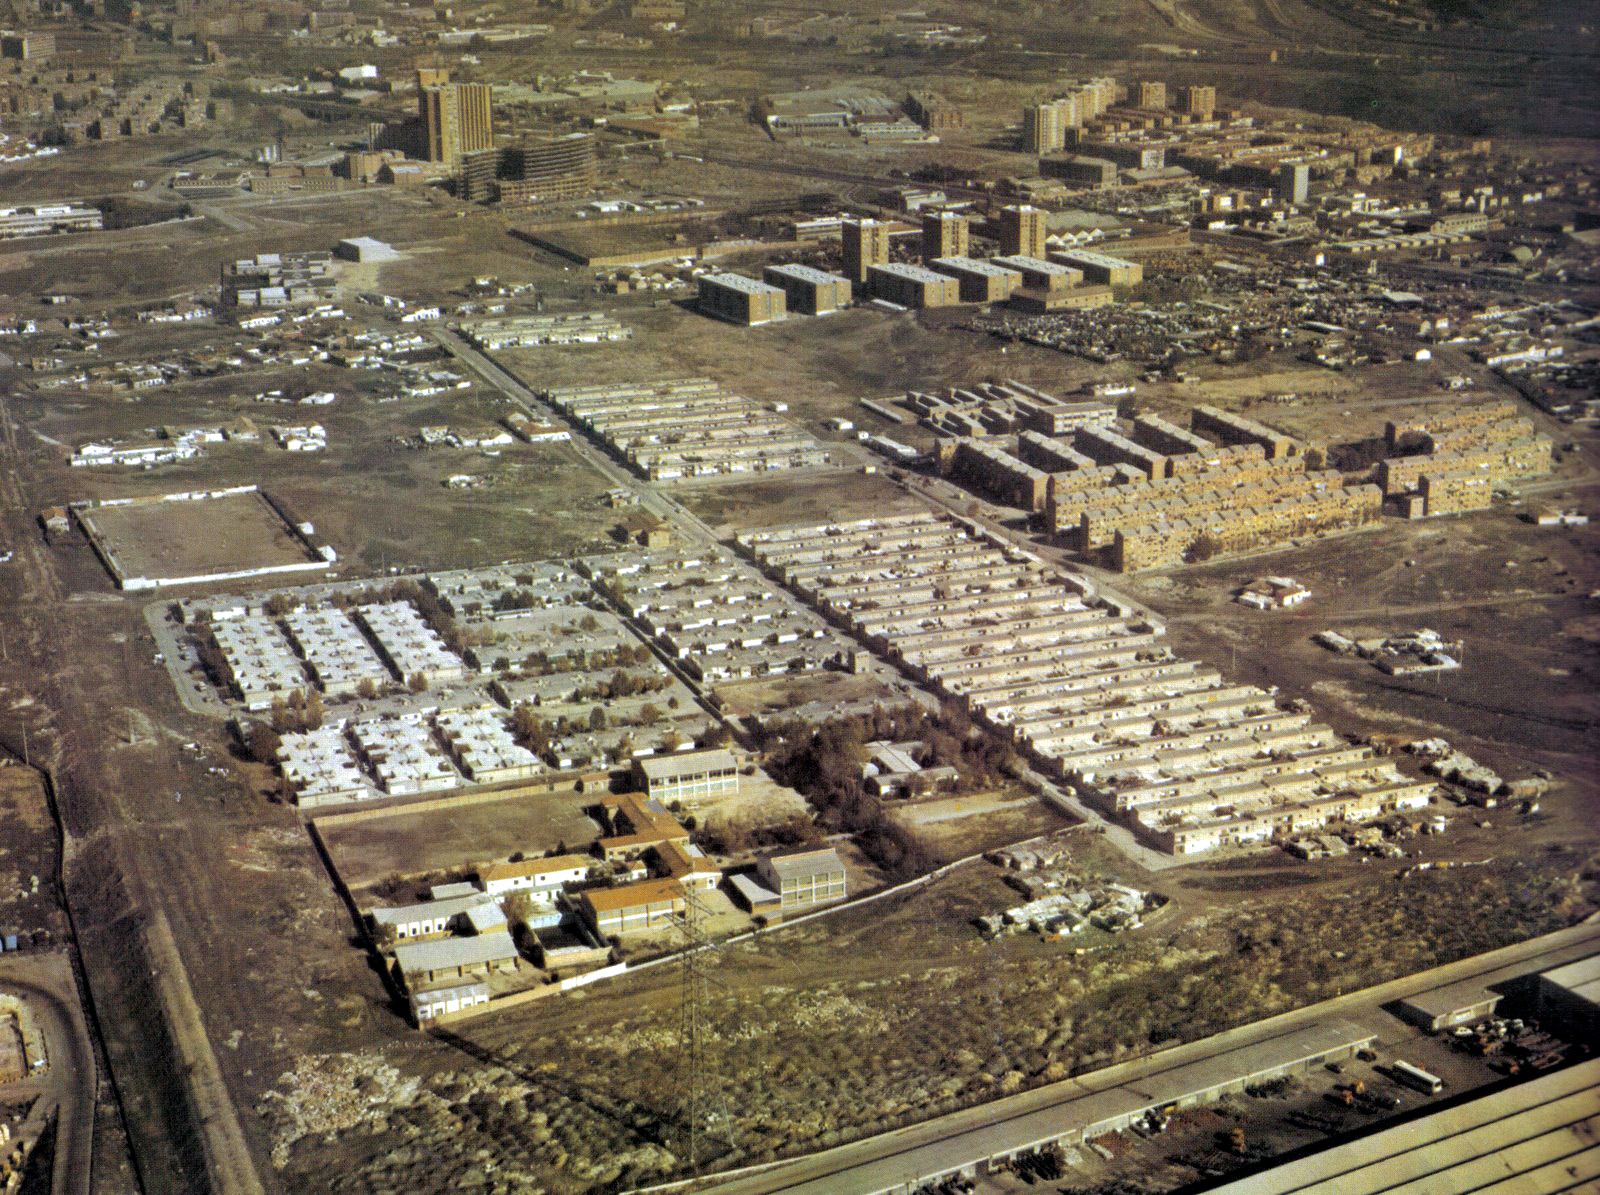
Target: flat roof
684	763
1451	999
1090	257
1535	1136
911	273
974	265
454	952
803	273
754	892
750	286
1581	978
629	896
1036	265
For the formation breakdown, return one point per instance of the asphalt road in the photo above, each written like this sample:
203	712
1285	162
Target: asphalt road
45	983
891	1159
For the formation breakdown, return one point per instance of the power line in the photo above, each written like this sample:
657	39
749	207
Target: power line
698	1111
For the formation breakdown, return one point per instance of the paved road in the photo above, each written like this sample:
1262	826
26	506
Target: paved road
46	985
936	1146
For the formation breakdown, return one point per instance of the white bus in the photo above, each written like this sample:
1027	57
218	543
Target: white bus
1415	1076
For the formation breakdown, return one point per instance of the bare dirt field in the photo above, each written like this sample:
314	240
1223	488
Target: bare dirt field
455	841
193	538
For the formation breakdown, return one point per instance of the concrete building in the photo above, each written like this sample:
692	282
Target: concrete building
1043	130
1102	268
429	919
980	281
457	118
804	878
1022	230
808	290
866	244
742	300
1198	101
27	46
913	286
365	249
933	112
632	907
1098	173
1293	183
546	170
688	775
945	234
1152	95
1040	274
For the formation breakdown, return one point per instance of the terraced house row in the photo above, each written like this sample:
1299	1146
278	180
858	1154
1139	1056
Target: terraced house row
688	427
1086	687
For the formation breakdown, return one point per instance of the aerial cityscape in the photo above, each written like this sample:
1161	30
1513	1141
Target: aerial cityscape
708	596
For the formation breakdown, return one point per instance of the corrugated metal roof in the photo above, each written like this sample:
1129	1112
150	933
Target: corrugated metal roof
454	952
1536	1137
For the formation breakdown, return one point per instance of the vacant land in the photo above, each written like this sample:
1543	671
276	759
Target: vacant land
455	841
194	538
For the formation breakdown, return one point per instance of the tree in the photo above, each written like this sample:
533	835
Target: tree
518	907
367	688
597	718
262	742
649	713
1204	548
417	683
313	713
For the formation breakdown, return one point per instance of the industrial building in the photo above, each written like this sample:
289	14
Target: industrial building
1535	1136
365	249
1449	1006
808	290
742	300
45	219
865	244
1023	229
433	1003
1098	173
912	286
980	281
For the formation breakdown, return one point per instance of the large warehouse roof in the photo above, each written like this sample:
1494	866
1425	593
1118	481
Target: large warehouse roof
1581	978
1537	1136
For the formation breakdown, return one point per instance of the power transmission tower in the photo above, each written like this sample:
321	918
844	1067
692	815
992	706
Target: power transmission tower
697	1113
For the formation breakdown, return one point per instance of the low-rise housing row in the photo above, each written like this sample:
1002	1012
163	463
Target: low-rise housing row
525	331
1091	690
675	430
409	644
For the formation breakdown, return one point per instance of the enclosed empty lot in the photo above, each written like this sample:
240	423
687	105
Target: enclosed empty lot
167	540
456	840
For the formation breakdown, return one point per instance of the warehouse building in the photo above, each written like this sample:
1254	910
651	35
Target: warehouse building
423	963
741	300
980	281
1036	301
1449	1006
808	290
1537	1136
912	286
1569	996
